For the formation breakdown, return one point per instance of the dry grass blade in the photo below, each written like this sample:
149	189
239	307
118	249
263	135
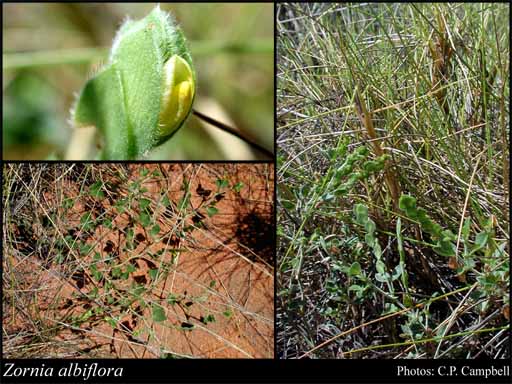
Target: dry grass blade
393	162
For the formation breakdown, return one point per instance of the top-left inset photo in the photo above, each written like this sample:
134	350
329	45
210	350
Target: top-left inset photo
114	81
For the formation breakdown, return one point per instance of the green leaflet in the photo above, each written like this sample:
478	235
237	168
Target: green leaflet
382	275
158	313
341	178
444	238
145	92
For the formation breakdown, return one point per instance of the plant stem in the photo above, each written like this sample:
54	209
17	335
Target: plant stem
390	315
34	59
431	339
240	135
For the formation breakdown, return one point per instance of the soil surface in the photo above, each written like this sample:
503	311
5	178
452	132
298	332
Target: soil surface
139	261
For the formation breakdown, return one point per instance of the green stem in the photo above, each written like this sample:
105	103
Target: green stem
49	58
429	340
234	132
35	59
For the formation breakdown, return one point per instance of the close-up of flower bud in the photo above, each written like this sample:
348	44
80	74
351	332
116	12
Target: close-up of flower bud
145	92
126	81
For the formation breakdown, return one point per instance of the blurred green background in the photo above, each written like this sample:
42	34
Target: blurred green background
49	50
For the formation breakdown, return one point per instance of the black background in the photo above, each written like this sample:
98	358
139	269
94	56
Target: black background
260	371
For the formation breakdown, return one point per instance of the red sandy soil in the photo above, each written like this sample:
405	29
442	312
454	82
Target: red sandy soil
220	266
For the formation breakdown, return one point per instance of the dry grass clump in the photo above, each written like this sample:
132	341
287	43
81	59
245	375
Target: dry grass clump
393	175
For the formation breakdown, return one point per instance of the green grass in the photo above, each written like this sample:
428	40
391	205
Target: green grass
393	173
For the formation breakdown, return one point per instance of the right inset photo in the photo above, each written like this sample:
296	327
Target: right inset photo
393	182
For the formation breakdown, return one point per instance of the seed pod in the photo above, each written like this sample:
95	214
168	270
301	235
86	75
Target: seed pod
145	92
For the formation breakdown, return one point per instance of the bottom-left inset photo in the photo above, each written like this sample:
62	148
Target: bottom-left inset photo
138	260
